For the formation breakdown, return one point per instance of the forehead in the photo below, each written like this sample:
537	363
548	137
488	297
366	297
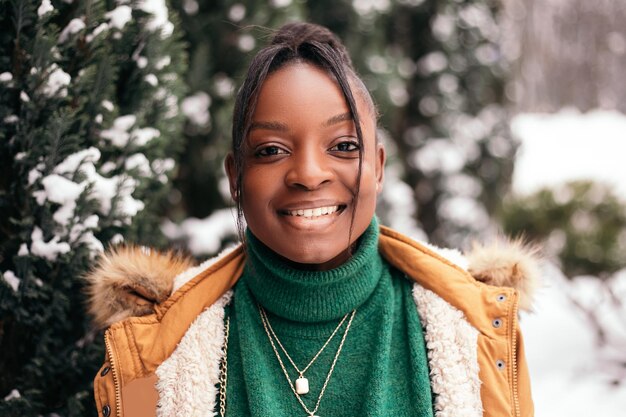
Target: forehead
303	90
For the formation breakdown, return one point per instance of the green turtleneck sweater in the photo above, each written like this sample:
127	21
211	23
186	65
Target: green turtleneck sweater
382	369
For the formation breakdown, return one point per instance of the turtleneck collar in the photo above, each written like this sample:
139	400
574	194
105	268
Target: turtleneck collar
313	296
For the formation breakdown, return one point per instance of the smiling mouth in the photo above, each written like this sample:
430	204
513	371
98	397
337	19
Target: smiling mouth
313	212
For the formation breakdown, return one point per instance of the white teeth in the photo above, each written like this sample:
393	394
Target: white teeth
316	212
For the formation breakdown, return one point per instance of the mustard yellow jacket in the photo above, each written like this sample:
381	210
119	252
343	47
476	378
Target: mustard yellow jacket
163	343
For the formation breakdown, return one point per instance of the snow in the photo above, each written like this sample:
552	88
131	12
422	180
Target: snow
35	173
160	16
13	281
464	212
59	189
365	7
563	356
280	3
246	43
142	62
118	133
23	250
398	198
191	7
570	146
57	82
237	12
140	137
203	236
24	97
119	16
12	395
163	62
439	156
74	26
107	105
48	250
82	233
224	85
152	80
72	162
45	7
98	30
139	162
5	77
196	108
433	62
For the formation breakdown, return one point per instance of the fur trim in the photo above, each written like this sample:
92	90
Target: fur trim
187	379
507	263
452	356
129	281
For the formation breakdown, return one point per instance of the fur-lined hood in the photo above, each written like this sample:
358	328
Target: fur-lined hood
131	281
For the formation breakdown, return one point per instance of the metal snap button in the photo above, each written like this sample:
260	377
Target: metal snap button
497	323
500	364
106	411
105	371
501	298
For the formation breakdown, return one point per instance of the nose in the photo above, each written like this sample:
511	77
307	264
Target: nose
309	170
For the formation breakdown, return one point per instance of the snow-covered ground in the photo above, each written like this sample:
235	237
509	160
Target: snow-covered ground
567	371
569	146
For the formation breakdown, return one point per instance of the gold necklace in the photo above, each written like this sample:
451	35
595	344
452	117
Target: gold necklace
267	326
302	383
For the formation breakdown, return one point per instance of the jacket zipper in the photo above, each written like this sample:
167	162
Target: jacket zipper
118	396
514	357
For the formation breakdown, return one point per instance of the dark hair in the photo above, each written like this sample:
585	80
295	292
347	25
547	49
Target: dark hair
295	42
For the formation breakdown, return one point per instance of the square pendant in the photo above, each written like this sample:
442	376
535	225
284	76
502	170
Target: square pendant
302	386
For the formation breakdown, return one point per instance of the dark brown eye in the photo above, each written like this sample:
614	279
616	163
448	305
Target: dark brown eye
346	147
270	151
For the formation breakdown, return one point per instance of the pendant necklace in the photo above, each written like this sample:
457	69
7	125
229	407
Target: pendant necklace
304	384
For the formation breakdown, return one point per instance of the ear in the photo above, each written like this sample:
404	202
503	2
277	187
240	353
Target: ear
231	173
381	157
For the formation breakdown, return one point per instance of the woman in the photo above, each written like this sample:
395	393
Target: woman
322	311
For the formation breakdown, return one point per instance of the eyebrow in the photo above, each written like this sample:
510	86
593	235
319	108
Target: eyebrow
277	126
281	127
338	119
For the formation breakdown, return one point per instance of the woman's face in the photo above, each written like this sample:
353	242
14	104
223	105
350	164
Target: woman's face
301	165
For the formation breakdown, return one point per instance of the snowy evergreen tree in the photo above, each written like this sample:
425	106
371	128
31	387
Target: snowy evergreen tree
89	109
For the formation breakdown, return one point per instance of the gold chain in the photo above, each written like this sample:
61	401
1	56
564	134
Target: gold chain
282	365
224	371
301	372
